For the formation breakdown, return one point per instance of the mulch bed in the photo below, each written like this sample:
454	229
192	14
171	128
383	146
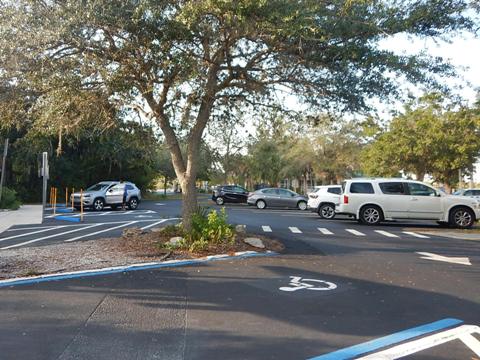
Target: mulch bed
135	246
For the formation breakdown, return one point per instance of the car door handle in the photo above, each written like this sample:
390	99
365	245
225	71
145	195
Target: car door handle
414	199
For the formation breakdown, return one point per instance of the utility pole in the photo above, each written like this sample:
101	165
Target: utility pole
460	179
4	162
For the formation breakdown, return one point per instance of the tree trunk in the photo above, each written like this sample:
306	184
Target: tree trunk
189	203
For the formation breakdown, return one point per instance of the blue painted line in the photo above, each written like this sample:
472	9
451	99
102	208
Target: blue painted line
63	211
369	346
48	278
68	218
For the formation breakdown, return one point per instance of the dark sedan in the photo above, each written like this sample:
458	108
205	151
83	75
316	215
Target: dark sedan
230	193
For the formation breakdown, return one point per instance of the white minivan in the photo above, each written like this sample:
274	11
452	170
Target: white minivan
372	201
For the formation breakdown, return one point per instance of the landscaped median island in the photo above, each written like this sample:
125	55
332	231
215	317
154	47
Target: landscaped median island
211	235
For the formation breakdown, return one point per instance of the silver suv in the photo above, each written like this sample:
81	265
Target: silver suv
108	193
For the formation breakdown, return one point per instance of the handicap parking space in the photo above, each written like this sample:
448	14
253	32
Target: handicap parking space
276	307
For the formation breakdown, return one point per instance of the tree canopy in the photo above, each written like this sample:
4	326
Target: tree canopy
179	62
430	137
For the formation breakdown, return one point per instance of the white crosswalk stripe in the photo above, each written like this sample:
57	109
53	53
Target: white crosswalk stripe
295	230
386	233
355	232
325	231
416	235
266	228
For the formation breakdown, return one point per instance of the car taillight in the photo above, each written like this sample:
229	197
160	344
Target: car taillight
345	199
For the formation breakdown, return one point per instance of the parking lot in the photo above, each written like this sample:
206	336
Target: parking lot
373	282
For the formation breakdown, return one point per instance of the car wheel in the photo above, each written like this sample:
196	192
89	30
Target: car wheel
98	204
302	205
461	217
261	204
327	211
371	215
133	203
220	201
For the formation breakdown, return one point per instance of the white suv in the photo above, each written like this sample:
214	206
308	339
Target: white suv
374	200
324	200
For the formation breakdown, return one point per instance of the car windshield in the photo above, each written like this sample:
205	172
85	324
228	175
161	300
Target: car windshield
97	187
458	192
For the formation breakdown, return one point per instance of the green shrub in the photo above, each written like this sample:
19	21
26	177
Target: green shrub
208	228
9	199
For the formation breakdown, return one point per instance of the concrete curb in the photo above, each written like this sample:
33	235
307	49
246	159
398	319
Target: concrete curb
128	268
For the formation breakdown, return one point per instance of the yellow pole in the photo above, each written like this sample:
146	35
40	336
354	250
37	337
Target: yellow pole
73	196
66	197
81	205
54	201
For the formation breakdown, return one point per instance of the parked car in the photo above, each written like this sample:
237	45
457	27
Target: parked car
108	193
324	200
277	197
230	193
372	201
475	193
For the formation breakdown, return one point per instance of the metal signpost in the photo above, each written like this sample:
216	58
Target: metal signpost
44	173
4	161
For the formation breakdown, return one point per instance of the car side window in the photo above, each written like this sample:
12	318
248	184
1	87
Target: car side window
227	188
468	193
270	191
285	193
421	190
239	189
130	187
392	188
361	188
476	192
335	190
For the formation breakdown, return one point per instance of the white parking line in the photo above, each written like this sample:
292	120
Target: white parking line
152	225
33	232
295	230
386	233
325	231
266	228
105	213
355	232
101	231
48	237
416	235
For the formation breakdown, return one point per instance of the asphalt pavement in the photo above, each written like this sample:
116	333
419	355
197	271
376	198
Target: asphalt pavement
337	285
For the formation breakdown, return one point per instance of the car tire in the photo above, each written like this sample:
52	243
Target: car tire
461	218
302	205
98	204
261	204
133	203
220	201
326	211
371	215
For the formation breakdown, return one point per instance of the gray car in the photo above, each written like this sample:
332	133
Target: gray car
108	193
277	197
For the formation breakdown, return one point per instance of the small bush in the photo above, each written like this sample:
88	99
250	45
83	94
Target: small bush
9	199
208	228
